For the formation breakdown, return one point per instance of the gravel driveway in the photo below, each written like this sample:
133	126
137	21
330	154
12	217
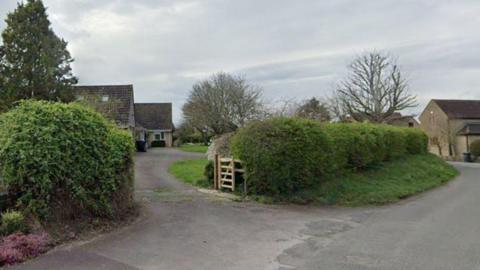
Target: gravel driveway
182	228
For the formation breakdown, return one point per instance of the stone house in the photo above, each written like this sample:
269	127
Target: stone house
451	125
147	122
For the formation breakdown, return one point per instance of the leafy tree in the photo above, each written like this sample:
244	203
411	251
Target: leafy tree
222	103
374	89
314	109
35	63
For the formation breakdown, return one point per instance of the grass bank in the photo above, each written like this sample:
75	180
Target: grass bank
387	183
197	148
190	171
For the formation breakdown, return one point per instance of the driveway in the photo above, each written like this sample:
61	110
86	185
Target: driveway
182	228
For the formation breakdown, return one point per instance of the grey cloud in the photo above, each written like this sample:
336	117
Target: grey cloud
291	48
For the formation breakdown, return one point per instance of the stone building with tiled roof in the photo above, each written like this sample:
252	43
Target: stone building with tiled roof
151	122
452	125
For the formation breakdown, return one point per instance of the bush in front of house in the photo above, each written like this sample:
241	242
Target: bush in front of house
12	222
283	155
475	148
65	161
158	144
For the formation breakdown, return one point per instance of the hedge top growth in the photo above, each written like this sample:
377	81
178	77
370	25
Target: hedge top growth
283	156
65	161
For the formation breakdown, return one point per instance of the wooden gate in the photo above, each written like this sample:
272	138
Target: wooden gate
226	170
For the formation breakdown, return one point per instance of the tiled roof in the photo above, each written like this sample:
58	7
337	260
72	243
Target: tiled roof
154	115
460	109
120	99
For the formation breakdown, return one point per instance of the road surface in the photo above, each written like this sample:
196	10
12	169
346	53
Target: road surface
183	229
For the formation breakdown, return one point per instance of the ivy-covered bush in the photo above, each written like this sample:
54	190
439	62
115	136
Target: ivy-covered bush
283	156
65	161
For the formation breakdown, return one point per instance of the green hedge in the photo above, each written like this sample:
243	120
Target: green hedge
65	161
284	155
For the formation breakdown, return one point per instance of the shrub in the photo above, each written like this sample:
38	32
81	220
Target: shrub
19	247
12	222
65	161
283	156
158	144
416	141
209	171
475	148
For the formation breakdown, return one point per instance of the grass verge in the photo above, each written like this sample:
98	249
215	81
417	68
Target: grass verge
190	171
389	182
197	148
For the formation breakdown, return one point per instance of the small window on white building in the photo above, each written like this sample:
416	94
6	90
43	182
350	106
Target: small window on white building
104	98
162	135
157	137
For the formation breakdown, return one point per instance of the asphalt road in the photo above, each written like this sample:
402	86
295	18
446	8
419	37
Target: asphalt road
182	228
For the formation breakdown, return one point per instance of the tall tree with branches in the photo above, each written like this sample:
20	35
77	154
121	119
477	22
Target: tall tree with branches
35	62
222	103
314	109
374	89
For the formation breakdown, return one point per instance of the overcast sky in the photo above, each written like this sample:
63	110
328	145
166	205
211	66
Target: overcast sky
290	48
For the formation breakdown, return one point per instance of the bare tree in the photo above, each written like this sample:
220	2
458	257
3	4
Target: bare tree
313	109
375	89
337	110
222	103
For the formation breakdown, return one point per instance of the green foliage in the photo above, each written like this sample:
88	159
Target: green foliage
416	140
475	148
34	62
12	222
158	144
388	183
287	156
209	172
65	161
283	156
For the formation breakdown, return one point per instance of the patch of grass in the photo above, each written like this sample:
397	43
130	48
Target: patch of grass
389	182
190	171
196	148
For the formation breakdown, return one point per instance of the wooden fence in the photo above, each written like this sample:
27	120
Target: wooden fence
226	170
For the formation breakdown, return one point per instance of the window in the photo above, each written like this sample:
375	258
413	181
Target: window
104	98
160	136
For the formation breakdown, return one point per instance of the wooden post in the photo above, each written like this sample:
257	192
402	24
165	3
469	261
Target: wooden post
216	172
233	174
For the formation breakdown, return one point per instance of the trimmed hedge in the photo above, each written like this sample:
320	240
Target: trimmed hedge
65	161
284	155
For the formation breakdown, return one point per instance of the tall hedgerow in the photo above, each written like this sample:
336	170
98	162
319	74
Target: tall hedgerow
283	156
65	161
